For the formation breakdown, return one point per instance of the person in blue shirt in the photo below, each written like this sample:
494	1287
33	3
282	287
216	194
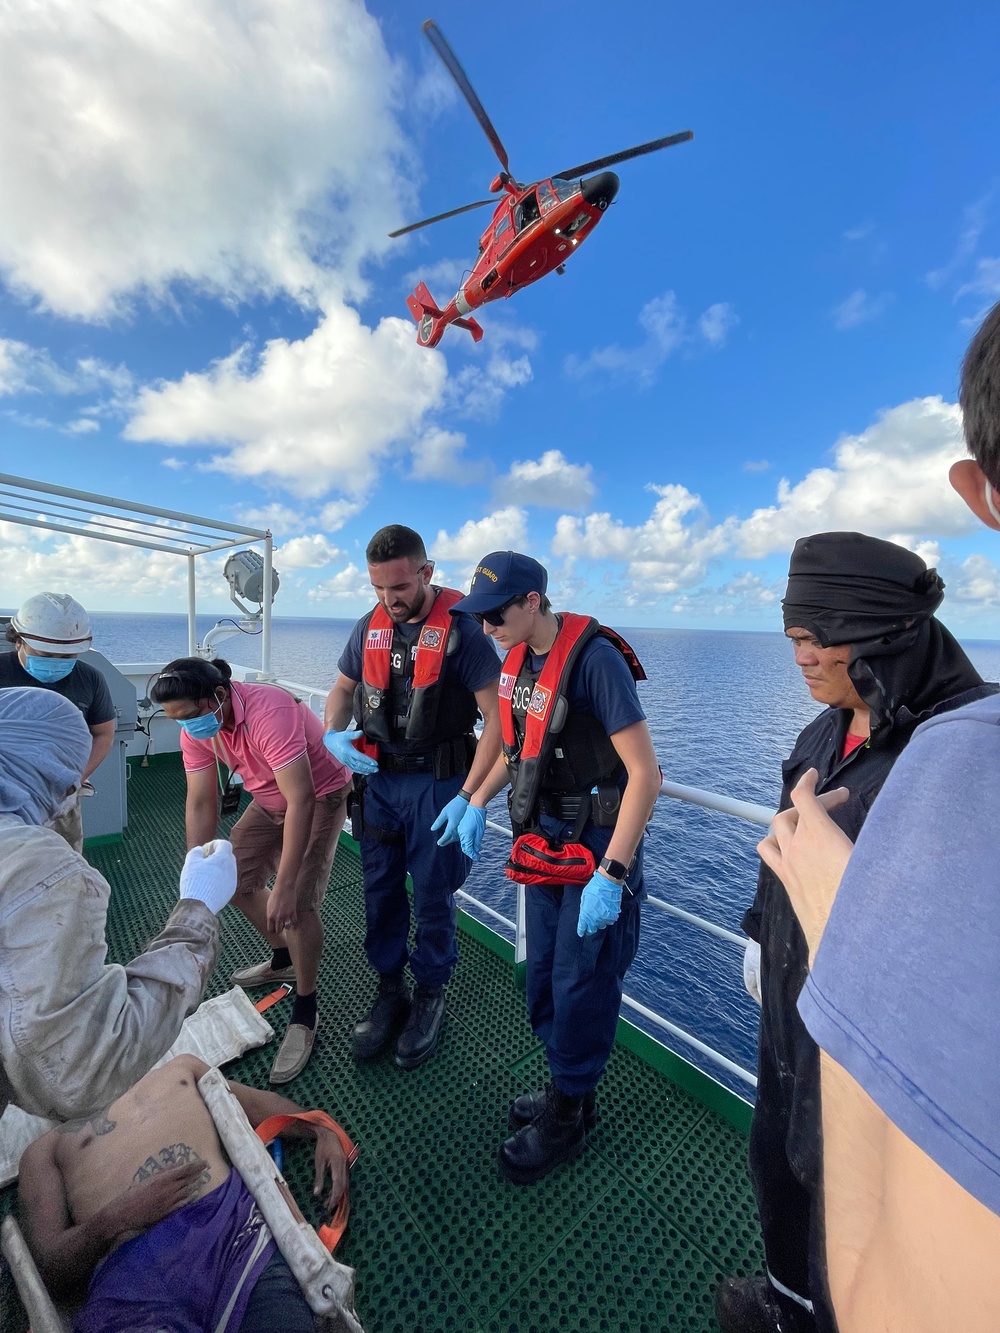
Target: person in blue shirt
579	757
415	679
904	939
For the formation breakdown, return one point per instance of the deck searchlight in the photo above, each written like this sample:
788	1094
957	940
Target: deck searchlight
244	571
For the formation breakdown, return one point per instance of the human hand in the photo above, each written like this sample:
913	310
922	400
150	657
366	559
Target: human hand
809	853
449	819
282	909
600	904
341	746
149	1201
471	828
330	1157
209	874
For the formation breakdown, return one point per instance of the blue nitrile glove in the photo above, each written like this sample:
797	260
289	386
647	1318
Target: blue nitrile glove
600	905
449	819
471	830
340	744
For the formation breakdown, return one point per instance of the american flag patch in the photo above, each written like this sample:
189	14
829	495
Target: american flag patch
380	638
506	685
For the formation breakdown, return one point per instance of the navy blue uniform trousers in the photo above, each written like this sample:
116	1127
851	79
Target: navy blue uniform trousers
404	806
574	985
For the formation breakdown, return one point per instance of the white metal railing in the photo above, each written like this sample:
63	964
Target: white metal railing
758	814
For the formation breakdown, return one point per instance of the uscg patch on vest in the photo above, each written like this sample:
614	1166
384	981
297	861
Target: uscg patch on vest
379	638
506	689
431	638
540	697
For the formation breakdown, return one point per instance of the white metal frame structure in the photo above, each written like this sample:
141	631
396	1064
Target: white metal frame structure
37	504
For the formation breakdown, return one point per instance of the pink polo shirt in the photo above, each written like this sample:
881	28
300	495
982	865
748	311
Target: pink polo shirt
270	731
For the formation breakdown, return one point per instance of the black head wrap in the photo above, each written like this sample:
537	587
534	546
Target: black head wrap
846	588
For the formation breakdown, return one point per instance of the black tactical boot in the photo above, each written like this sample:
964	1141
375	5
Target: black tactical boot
384	1020
753	1305
529	1106
423	1028
557	1135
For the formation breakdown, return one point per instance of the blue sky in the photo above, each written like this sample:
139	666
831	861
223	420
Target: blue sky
200	306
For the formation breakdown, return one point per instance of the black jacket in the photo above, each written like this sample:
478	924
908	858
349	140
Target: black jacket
785	1046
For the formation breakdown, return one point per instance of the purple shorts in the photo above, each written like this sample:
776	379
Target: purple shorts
191	1273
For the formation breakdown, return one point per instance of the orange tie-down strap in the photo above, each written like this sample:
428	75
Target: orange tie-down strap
331	1232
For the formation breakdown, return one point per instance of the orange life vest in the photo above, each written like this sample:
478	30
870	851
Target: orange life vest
439	635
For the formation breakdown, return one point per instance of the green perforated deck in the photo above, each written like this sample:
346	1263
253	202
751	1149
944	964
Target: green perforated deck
633	1236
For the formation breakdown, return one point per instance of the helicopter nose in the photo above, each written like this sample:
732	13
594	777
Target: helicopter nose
600	190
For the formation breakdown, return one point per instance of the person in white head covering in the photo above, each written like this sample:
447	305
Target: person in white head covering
50	632
75	1033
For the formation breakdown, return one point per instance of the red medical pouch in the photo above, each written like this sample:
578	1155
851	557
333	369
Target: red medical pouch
536	859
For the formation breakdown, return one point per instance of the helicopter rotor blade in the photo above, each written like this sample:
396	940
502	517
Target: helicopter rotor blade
437	39
599	163
440	217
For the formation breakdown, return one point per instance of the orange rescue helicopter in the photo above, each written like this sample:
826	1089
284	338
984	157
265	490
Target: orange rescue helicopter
535	228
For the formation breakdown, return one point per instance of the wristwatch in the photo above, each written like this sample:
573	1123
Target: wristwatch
614	869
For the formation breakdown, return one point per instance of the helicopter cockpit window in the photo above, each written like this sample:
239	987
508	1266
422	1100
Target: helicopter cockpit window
564	189
546	197
502	233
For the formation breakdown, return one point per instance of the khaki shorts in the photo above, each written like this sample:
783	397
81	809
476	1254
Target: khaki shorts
257	837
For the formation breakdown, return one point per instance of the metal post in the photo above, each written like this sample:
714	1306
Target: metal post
265	634
192	623
520	934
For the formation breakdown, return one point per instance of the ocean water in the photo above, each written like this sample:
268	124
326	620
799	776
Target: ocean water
724	710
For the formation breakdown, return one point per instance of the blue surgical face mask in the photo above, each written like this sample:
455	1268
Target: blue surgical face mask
205	726
47	670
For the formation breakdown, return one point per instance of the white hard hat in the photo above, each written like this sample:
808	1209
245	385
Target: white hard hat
53	622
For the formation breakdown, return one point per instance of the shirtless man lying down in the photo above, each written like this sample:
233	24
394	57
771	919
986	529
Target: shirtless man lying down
141	1202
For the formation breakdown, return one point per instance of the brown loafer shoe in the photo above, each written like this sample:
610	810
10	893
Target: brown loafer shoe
261	974
293	1053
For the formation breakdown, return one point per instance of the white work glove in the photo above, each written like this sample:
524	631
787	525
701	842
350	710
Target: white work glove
751	969
209	874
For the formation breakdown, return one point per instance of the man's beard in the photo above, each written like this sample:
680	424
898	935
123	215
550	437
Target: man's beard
408	609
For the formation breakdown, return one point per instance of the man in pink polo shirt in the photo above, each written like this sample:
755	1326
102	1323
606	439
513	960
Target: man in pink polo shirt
289	830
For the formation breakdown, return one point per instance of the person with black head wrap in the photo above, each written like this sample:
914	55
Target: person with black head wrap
860	613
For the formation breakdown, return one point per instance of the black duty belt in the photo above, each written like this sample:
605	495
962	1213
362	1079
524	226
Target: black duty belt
406	763
445	760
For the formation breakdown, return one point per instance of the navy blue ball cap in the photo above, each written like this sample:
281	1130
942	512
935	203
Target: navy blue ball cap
500	576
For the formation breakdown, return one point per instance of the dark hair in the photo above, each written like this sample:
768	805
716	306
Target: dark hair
396	543
544	605
10	633
979	396
190	678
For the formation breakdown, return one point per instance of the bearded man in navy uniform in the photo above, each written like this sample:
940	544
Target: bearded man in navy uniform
579	758
415	679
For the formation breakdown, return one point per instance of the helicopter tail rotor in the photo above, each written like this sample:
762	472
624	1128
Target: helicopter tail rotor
430	320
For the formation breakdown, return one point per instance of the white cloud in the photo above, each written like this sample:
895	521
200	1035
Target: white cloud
973	224
441	277
745	594
349	585
978	583
503	530
334	515
669	551
314	415
175	465
437	456
859	308
309	552
90	569
717	322
243	149
891	479
985	281
667	330
551	481
859	233
478	389
27	369
756	465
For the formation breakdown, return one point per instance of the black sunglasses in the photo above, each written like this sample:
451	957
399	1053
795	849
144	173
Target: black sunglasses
495	617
